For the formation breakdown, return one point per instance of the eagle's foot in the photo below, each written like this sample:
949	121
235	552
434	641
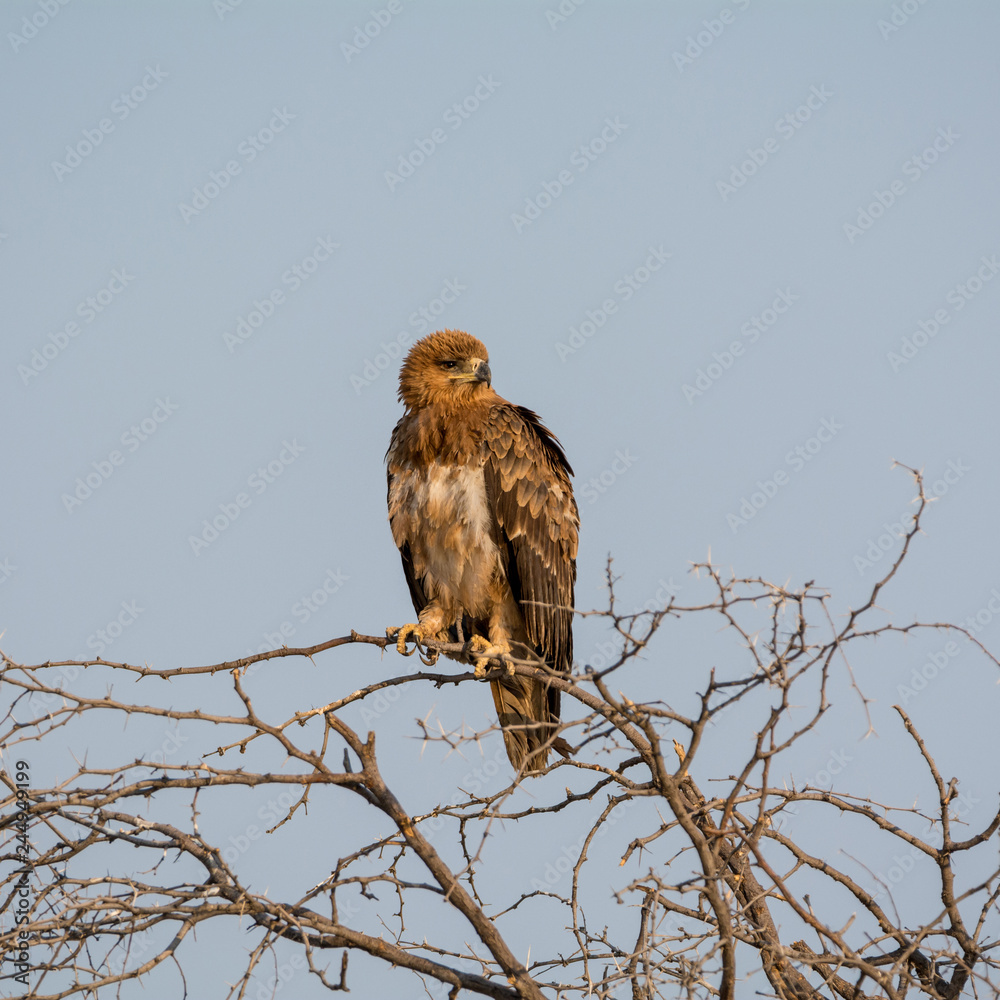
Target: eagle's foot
401	633
481	650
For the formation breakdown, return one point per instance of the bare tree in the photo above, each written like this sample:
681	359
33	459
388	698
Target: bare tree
724	888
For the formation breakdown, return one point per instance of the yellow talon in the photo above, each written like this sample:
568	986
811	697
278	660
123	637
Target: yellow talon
478	649
481	650
404	632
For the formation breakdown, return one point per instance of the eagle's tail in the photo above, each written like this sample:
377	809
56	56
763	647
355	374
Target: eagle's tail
529	717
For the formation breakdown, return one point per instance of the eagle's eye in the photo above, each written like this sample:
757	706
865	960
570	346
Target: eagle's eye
448	365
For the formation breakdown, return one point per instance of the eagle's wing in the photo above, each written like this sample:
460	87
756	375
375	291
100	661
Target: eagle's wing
415	585
537	523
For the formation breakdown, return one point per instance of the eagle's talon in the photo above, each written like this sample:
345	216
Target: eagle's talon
403	632
481	650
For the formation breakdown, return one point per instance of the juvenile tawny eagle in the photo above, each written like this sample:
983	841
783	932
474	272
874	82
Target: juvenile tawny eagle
483	514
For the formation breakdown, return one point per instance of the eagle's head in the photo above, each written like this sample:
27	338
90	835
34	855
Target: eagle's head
446	367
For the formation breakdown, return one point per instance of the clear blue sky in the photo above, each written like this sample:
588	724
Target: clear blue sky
738	257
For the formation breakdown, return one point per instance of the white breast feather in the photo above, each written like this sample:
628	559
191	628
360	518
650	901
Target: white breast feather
455	547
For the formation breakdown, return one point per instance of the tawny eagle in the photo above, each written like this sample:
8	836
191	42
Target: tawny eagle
483	514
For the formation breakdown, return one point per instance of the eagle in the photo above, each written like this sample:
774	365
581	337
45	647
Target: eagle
483	514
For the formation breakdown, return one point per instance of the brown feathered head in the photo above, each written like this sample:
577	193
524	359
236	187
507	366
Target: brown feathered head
446	367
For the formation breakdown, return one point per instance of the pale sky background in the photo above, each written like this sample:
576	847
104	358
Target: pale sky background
743	171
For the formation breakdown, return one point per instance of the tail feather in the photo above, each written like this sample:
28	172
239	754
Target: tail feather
529	717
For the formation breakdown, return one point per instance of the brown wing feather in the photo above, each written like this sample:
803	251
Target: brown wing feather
528	485
415	586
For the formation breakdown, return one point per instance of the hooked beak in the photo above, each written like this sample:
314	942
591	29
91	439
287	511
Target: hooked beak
481	372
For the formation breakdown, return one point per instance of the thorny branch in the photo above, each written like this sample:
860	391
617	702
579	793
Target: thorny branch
108	872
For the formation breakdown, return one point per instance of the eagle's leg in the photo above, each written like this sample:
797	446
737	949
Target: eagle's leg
506	625
503	614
